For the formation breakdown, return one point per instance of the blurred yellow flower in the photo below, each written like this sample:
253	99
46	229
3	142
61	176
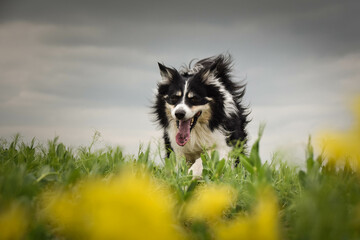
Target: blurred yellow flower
344	146
125	207
13	223
210	201
261	225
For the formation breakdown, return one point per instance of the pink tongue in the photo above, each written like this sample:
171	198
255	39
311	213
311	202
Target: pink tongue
183	136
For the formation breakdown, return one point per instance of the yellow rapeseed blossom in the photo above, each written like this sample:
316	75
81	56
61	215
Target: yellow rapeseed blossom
210	201
125	207
13	223
261	225
344	146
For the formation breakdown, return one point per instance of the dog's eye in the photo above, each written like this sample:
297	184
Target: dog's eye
173	99
195	99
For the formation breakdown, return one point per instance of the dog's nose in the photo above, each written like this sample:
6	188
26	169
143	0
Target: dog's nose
180	114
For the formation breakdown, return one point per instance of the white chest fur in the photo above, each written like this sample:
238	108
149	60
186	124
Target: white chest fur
201	138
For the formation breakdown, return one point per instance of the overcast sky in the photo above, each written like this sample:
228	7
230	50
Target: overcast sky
68	68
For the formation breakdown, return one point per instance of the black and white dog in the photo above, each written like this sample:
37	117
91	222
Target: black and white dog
199	107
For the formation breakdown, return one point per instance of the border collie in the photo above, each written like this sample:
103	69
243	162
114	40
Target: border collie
199	108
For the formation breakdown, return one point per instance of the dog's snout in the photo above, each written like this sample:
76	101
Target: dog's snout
180	114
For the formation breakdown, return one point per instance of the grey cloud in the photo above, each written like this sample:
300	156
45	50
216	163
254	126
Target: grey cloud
213	11
77	76
328	27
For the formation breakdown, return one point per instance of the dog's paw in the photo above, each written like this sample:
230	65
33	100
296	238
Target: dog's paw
196	168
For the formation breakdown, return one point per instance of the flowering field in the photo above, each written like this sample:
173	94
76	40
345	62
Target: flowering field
55	192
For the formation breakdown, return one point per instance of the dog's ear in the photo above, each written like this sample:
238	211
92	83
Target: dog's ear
166	73
218	67
210	70
213	65
209	67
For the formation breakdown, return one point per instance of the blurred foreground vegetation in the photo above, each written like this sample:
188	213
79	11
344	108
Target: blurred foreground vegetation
56	192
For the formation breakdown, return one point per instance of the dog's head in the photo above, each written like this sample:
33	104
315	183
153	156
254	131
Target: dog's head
186	99
189	97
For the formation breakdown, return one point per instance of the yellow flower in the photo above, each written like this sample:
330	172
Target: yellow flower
344	146
63	209
13	223
126	207
266	217
210	201
261	225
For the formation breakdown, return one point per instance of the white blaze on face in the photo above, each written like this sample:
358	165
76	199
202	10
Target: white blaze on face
182	106
184	124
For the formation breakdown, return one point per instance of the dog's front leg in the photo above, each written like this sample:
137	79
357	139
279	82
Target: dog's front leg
196	168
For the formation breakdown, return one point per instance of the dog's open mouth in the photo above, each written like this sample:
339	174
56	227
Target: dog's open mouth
183	136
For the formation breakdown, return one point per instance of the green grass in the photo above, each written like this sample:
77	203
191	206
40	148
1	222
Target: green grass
319	202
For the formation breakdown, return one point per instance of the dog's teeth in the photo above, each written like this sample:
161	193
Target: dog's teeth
192	121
